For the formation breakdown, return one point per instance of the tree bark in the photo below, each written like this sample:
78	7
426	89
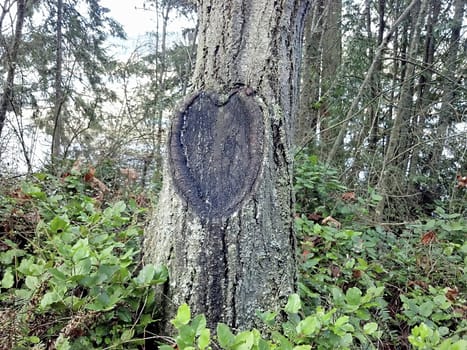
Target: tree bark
321	61
57	135
230	261
12	56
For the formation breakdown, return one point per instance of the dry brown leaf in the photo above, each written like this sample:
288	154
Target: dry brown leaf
461	181
349	196
428	238
130	174
421	284
315	217
357	274
452	293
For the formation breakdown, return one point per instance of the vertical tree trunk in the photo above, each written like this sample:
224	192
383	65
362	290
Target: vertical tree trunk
424	98
321	60
378	54
307	117
447	112
225	228
399	132
12	56
57	134
375	85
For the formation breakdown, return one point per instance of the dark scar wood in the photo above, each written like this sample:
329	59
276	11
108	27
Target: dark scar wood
216	151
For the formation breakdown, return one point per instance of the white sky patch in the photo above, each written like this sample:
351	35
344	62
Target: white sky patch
131	15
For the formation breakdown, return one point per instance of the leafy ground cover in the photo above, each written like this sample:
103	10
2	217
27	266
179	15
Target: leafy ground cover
71	276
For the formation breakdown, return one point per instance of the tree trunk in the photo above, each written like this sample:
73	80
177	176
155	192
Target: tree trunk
447	112
224	223
307	118
424	98
378	54
399	133
12	55
321	61
57	135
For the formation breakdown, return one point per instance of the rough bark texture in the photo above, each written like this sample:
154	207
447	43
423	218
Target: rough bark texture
230	263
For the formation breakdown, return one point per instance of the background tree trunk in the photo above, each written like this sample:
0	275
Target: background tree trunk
399	132
448	114
57	134
230	266
12	55
321	60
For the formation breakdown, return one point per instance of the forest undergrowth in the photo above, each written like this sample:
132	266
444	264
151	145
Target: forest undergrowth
71	273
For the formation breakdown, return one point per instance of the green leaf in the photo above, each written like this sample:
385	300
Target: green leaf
32	190
146	275
186	337
11	254
244	341
353	296
32	282
204	338
28	268
82	267
341	321
442	302
346	340
225	336
119	206
293	304
337	295
104	299
49	298
370	328
59	224
127	335
183	316
363	314
59	275
267	317
199	323
8	279
302	347
124	315
115	212
62	343
284	343
308	326
459	345
33	339
426	309
160	275
375	291
80	250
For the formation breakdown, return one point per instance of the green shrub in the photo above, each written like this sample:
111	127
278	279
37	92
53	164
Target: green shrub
71	272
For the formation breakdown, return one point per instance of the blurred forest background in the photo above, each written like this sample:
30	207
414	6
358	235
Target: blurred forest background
382	92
